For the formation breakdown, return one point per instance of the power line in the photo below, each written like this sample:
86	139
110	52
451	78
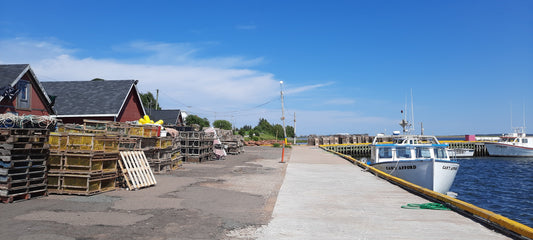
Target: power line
191	108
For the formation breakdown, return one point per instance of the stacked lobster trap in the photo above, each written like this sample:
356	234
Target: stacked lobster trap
82	163
85	159
23	155
196	146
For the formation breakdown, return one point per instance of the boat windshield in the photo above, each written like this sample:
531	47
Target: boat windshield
506	139
440	152
423	153
403	152
385	153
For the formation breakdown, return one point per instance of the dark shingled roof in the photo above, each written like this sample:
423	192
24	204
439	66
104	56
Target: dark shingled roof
89	97
168	116
10	72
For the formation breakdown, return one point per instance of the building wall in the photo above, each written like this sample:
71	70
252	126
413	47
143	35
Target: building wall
133	108
37	105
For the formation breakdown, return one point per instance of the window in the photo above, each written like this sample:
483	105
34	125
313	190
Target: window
524	140
403	152
23	99
423	153
385	153
440	153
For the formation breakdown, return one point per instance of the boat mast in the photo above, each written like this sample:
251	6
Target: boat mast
412	113
524	119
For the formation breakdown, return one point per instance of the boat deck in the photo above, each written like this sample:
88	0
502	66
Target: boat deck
326	197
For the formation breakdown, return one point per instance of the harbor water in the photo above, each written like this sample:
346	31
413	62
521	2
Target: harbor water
498	184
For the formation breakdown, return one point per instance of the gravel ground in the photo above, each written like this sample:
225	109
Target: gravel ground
227	199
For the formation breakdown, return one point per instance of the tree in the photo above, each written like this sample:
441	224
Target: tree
222	124
149	101
278	131
193	119
290	131
242	132
264	126
97	79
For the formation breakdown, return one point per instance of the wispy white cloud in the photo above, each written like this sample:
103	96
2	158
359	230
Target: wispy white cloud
307	88
205	84
17	50
182	54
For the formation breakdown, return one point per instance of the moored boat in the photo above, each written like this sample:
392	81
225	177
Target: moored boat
516	144
461	153
419	159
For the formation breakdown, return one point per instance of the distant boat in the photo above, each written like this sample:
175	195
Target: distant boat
461	152
516	144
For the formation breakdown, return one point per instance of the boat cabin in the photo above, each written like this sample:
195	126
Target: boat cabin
513	140
408	148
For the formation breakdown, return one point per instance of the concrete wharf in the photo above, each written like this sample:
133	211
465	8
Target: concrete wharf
323	196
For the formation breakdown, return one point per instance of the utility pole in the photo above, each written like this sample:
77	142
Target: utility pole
156	98
294	138
283	119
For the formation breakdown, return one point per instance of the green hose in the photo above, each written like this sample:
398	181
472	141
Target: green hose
432	206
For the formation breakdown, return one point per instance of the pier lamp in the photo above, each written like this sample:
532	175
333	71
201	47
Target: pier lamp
283	119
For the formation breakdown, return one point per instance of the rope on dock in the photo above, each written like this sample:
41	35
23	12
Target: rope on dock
432	206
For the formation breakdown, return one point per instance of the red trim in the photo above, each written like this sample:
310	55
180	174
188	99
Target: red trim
528	148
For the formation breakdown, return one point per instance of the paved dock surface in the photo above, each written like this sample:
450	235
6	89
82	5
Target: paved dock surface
325	197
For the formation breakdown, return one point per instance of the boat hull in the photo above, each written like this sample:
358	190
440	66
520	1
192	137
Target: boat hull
461	153
505	150
436	175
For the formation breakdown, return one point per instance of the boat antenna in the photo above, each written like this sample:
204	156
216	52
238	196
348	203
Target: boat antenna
524	116
412	113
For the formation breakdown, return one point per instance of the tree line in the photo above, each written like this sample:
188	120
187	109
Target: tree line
263	130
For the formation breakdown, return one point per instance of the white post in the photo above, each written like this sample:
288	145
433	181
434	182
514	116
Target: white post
294	138
283	119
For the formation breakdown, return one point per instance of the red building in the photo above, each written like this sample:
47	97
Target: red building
110	100
21	92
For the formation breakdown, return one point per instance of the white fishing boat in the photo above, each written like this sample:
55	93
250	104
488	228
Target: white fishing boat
419	159
461	153
516	144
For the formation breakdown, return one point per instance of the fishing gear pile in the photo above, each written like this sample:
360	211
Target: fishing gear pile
10	120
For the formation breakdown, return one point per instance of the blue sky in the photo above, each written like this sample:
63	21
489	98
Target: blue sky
347	66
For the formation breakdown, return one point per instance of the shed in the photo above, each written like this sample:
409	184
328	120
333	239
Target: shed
21	92
109	100
170	117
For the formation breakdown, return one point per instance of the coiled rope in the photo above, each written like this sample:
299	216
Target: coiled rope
432	206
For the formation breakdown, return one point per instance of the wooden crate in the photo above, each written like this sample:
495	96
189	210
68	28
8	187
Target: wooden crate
91	163
83	142
147	131
80	184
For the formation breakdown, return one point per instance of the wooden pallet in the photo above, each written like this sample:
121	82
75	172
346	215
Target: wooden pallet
31	193
136	170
